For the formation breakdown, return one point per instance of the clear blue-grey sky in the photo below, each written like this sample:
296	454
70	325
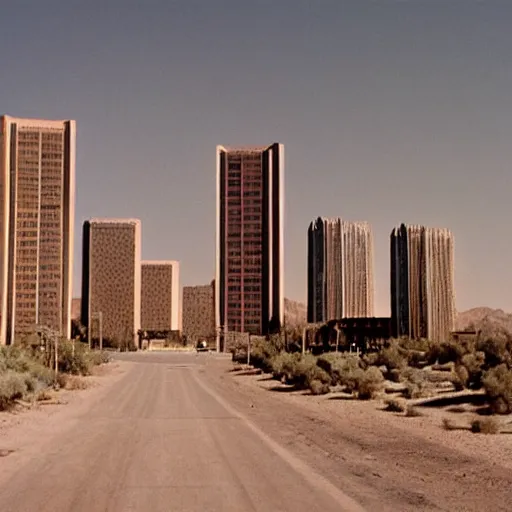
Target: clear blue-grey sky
390	111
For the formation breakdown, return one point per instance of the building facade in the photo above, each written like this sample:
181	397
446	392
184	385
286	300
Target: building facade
199	312
160	285
249	255
111	280
37	208
340	270
422	282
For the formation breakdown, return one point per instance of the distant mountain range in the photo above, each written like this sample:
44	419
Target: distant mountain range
476	318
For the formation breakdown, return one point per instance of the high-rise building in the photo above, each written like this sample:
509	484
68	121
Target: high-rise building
160	295
249	256
340	270
199	311
37	198
422	282
111	280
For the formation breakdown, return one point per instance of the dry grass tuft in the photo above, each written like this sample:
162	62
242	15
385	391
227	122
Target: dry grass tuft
487	425
413	412
395	405
74	382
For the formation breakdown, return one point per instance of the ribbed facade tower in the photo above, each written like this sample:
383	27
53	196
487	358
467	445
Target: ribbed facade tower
340	270
422	282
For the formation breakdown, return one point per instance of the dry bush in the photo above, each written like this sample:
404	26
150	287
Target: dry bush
488	425
340	367
445	367
474	364
368	382
460	377
417	383
74	382
449	424
284	366
445	352
416	345
395	375
413	412
318	387
498	386
13	386
262	352
392	357
395	405
44	395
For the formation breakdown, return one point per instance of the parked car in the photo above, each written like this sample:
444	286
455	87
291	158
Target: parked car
202	346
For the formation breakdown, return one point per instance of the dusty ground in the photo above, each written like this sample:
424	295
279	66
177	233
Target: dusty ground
164	431
387	461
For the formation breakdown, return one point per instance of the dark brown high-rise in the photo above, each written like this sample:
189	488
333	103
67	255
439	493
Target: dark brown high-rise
250	204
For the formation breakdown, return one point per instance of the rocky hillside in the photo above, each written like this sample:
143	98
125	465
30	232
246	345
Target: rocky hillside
476	318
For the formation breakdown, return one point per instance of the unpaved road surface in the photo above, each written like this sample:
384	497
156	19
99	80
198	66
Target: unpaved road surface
177	432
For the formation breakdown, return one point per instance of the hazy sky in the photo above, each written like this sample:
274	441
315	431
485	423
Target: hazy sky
390	111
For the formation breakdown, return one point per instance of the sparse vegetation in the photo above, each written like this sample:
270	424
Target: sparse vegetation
498	385
417	369
27	369
413	412
488	425
396	405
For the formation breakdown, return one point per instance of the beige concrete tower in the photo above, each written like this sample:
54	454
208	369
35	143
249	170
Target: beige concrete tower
37	208
340	270
111	279
160	295
422	282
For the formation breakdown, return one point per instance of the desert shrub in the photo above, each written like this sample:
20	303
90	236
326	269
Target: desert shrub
340	367
395	405
498	386
417	383
284	366
74	382
13	386
444	367
318	387
445	352
413	412
497	350
392	357
367	383
449	424
488	425
75	361
460	377
371	359
416	359
474	364
262	352
395	375
43	395
98	357
416	345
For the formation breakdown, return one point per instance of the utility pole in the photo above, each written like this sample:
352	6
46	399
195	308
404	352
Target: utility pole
100	320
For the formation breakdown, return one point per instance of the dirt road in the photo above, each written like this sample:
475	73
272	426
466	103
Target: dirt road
176	432
158	440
